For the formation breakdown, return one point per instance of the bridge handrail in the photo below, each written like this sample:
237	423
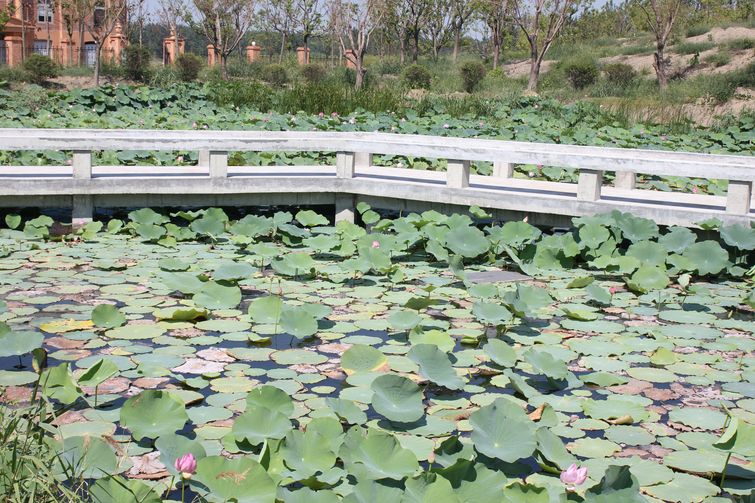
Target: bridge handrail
355	148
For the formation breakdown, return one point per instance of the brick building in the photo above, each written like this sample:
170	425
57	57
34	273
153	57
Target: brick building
55	29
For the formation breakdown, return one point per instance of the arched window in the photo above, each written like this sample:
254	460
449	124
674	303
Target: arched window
44	11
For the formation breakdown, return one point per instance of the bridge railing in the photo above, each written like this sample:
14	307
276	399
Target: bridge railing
354	150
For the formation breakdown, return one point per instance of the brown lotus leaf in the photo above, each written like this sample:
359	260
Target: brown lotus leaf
183	333
148	466
629	452
112	385
64	343
336	348
75	354
216	355
632	387
660	394
15	394
150	382
626	419
536	414
199	366
69	417
304	368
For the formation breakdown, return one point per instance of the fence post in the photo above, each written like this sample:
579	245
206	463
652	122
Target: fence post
457	174
218	164
503	169
739	197
204	159
82	164
625	180
362	160
588	187
345	163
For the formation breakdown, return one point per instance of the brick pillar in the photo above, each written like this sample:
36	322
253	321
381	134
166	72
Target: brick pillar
253	53
211	60
302	55
173	46
14	50
350	59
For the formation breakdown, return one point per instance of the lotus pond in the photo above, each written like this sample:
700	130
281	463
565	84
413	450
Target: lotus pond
414	359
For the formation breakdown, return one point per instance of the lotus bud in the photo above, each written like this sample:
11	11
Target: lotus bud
574	476
186	465
376	244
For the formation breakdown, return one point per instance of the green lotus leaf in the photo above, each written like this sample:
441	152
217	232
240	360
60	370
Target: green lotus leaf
677	239
119	489
307	453
216	296
739	438
546	364
184	282
429	487
488	312
307	495
515	233
617	485
57	383
637	229
172	446
266	309
173	264
252	226
435	366
502	430
708	257
294	264
648	278
309	218
212	223
525	493
598	294
649	253
87	457
467	241
98	373
397	398
107	316
147	216
474	482
552	449
180	314
149	232
240	479
347	410
153	413
375	455
258	424
233	271
271	398
739	236
12	220
501	353
297	321
404	320
18	343
614	407
593	235
683	488
363	358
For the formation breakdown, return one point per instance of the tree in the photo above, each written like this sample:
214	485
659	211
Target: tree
660	16
355	22
279	16
396	22
308	18
224	24
5	15
100	20
416	16
496	14
170	12
437	25
461	12
541	21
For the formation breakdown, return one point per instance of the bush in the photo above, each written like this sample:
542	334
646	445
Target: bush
188	67
387	66
313	73
581	73
164	77
741	44
472	73
241	93
12	74
694	31
39	68
136	63
693	47
416	77
275	74
720	58
620	74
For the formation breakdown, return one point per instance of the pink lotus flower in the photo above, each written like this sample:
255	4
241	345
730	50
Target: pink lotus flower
574	476
376	244
187	465
321	114
612	290
694	190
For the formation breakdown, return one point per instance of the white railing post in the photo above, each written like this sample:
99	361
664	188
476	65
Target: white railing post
204	159
457	174
590	181
625	180
82	164
345	163
503	169
362	160
218	164
739	197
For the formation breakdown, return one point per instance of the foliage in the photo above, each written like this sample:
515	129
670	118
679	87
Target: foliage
275	75
581	72
313	73
472	73
188	67
416	77
718	59
137	63
693	47
620	74
40	68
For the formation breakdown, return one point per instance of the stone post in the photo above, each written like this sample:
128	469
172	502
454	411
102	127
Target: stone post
302	55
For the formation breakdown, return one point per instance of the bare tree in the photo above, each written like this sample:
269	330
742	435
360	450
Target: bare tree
660	16
169	13
355	22
279	16
308	19
396	22
416	15
224	23
497	16
437	25
101	19
73	14
541	21
461	11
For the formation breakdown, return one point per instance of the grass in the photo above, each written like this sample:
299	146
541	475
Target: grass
721	58
741	44
697	30
692	47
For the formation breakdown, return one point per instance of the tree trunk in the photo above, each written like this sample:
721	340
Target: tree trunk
283	47
402	49
659	64
97	65
457	43
496	53
534	74
360	72
223	65
415	48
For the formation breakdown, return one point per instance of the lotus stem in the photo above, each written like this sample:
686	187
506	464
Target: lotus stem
723	472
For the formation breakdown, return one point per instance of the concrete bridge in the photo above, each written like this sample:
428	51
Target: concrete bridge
82	186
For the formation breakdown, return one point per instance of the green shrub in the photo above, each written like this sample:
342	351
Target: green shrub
581	72
416	77
720	58
188	67
330	96
136	63
112	70
313	73
387	66
472	73
620	74
164	77
694	31
633	50
12	74
693	47
241	68
241	93
741	44
275	75
39	68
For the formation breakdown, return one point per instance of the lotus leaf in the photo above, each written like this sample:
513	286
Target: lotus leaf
107	316
707	256
271	398
18	343
502	430
376	455
467	241
240	479
153	413
435	366
216	296
362	358
397	398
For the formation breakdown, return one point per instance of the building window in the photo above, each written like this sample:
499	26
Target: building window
41	47
44	11
99	15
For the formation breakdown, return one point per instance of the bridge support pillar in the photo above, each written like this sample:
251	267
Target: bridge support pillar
739	197
344	208
503	169
589	185
82	211
457	175
625	180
